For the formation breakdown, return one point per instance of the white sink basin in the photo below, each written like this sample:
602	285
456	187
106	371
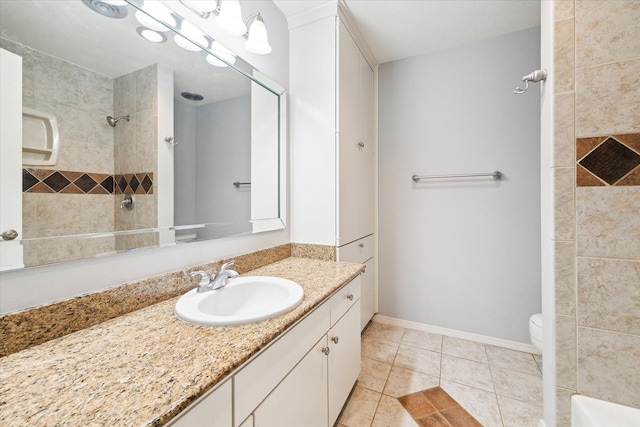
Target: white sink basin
244	300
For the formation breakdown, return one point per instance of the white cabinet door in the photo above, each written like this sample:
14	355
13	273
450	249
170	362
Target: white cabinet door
301	398
344	360
348	139
213	410
366	159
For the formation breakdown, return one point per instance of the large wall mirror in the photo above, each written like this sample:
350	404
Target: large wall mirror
128	143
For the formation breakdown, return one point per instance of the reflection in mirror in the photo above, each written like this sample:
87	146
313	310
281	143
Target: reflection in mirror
107	114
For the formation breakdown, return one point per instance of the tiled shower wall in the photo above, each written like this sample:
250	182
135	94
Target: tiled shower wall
136	95
80	99
597	202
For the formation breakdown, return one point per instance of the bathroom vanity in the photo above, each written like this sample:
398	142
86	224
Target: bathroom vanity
150	368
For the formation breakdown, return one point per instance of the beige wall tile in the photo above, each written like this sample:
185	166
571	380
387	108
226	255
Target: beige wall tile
565	278
563	407
608	220
563	9
607	98
564	130
609	294
564	56
606	31
566	358
609	366
564	202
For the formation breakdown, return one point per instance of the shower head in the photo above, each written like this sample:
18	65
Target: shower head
112	122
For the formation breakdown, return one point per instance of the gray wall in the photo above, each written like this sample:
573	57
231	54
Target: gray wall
184	164
223	156
461	254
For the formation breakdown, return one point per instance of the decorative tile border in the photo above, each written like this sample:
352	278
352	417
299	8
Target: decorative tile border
608	160
71	182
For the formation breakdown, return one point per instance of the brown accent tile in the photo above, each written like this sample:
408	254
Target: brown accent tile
433	420
632	179
72	189
72	175
56	181
28	180
85	182
458	417
439	398
585	145
611	160
40	188
146	183
631	140
584	178
40	173
98	189
417	405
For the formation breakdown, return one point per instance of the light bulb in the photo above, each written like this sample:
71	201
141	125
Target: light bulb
257	42
160	12
230	18
220	52
191	36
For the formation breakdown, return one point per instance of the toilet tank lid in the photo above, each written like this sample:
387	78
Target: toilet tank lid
536	319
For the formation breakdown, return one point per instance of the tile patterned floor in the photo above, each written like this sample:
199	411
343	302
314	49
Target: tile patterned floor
499	387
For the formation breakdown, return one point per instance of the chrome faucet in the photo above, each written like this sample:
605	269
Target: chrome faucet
206	284
224	275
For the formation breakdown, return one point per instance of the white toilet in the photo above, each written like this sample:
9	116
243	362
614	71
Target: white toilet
535	330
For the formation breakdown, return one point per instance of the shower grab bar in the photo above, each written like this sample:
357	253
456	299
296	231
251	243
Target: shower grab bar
495	175
237	184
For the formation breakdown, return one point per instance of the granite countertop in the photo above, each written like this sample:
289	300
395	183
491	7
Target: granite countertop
143	368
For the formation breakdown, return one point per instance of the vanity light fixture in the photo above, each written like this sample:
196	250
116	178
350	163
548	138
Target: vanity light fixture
257	41
192	33
229	19
160	12
220	52
151	35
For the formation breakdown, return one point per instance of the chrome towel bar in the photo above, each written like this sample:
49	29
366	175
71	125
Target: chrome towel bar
494	175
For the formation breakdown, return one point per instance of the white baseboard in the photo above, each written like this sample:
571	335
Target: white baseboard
513	345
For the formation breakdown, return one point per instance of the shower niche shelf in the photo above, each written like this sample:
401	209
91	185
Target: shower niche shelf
40	138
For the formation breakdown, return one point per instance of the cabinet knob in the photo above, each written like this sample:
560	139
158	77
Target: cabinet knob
335	340
361	245
326	350
350	297
361	144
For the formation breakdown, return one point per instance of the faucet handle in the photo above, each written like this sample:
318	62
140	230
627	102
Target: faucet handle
225	265
204	277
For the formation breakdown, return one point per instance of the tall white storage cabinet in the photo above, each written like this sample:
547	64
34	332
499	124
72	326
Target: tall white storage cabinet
332	133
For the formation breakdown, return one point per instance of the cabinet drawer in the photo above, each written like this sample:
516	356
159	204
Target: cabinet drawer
344	299
358	251
256	380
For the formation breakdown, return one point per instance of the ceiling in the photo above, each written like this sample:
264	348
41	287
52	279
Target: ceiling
397	29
